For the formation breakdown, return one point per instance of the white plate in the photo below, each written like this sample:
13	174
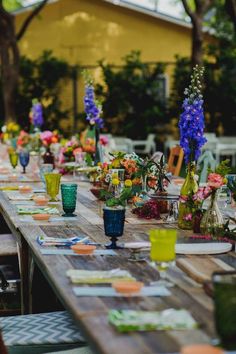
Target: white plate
189	248
203	248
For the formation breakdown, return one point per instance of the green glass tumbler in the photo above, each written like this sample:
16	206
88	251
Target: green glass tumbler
69	197
52	185
225	307
13	156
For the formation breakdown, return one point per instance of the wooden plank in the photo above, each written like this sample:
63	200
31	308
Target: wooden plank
201	268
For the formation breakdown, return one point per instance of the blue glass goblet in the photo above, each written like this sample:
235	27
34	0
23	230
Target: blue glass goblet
24	159
69	197
114	220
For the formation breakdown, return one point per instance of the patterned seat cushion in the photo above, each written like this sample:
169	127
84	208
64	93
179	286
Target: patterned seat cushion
40	329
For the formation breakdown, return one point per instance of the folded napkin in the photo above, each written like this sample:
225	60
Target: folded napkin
103	291
68	252
170	319
19	197
56	241
98	276
9	188
43	210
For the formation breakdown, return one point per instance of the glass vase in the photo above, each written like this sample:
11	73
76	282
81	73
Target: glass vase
48	157
212	220
186	210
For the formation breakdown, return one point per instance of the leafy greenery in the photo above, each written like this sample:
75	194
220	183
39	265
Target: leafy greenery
133	100
113	201
44	79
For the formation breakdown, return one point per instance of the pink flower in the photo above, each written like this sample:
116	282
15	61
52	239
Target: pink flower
188	217
215	180
46	137
103	140
183	198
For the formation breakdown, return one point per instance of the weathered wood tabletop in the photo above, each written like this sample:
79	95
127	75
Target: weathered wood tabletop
91	312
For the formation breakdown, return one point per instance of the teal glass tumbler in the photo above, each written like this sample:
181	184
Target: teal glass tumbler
69	197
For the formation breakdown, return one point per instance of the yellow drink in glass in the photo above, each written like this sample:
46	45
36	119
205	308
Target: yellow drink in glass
52	185
162	250
13	156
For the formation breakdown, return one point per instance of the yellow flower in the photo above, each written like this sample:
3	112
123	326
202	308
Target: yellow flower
114	175
115	163
115	181
99	164
128	183
225	180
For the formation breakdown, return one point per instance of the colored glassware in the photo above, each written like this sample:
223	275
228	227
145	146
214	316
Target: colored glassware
24	159
69	197
225	308
45	168
114	220
13	156
189	188
162	251
52	185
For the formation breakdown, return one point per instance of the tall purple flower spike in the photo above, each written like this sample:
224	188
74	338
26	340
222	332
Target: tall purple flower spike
191	122
93	109
37	114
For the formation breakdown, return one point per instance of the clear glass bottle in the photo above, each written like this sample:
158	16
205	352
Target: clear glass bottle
212	220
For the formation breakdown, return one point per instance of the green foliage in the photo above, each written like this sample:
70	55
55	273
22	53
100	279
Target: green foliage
120	200
44	79
223	168
133	103
11	5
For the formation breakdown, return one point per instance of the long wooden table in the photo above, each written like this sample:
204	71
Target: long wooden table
91	312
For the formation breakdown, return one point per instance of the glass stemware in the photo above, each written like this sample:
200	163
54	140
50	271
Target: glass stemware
13	156
225	307
113	224
52	185
24	159
163	252
69	197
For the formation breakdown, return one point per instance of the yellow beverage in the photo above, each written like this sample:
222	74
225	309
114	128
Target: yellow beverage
163	245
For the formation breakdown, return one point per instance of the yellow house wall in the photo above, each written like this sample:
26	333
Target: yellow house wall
85	31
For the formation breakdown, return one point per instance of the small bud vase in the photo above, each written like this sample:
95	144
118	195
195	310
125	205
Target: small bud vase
212	220
186	211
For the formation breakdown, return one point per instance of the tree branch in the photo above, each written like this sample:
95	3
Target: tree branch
28	20
187	8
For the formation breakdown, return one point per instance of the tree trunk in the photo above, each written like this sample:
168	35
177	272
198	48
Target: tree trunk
9	55
197	41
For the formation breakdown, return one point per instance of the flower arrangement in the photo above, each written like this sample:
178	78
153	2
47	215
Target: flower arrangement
191	122
23	140
149	210
10	130
47	137
191	126
36	114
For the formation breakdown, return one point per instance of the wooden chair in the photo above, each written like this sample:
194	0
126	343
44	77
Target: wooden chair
175	160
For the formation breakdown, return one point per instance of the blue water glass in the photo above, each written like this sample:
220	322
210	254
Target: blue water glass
114	220
69	197
24	157
45	168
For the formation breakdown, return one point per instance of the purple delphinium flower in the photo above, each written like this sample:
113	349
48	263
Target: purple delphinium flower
93	108
191	122
37	114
